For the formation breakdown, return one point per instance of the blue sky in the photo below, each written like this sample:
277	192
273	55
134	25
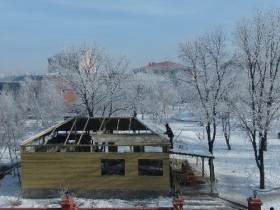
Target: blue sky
143	30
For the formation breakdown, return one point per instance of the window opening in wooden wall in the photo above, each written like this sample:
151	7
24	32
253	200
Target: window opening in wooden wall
150	167
138	149
113	167
153	149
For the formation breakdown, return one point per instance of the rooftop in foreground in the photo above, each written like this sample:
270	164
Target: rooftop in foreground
81	131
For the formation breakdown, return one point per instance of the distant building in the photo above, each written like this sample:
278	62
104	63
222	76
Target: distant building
14	82
166	67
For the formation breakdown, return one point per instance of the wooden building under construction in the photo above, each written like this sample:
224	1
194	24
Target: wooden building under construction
97	158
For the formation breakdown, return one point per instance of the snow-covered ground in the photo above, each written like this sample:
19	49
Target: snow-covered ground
236	172
10	196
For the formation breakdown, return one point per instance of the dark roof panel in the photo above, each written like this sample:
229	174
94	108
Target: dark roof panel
96	124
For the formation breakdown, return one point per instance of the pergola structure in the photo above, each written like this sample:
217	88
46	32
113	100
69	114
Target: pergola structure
189	147
209	156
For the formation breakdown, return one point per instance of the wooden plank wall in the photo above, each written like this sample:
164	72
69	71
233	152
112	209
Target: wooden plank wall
83	171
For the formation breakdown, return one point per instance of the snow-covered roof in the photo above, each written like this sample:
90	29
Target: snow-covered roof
165	66
20	78
185	143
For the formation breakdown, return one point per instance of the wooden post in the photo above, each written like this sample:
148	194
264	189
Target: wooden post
202	166
118	125
254	203
211	174
2	175
129	125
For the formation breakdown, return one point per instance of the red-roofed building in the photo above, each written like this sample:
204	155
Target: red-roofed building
165	67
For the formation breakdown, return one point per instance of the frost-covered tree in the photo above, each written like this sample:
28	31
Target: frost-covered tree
12	125
51	101
79	69
225	117
153	94
138	92
258	43
28	95
210	63
116	77
31	105
166	96
93	76
41	100
226	114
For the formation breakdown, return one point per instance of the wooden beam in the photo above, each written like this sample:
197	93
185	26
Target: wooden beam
83	131
118	125
43	133
129	125
202	158
211	174
192	154
131	139
74	123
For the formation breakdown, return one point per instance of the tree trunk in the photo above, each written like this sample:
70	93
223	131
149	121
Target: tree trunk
261	159
261	169
228	144
226	131
262	148
259	156
208	133
210	149
90	113
212	175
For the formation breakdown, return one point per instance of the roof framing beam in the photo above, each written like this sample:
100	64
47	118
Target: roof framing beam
83	131
74	123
